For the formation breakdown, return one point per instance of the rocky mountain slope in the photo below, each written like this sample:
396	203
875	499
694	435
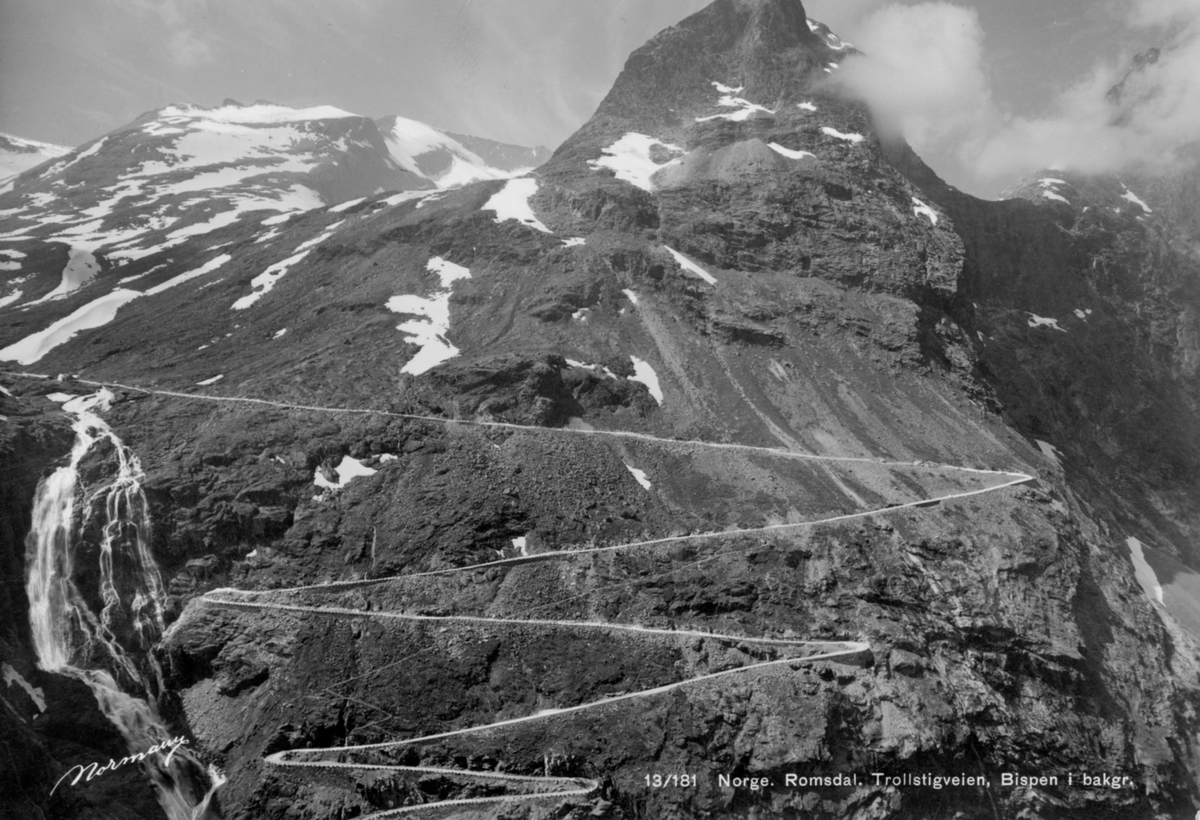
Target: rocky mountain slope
731	419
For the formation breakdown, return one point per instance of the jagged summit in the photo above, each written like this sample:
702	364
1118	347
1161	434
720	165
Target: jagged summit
735	60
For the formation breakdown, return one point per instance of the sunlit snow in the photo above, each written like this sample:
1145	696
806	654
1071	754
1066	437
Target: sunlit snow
629	159
279	333
348	470
1146	577
213	380
921	209
807	106
640	475
574	242
207	267
833	132
11	298
1042	321
259	113
644	373
265	281
94	314
429	334
631	295
512	202
689	265
345	206
788	152
80	269
1132	197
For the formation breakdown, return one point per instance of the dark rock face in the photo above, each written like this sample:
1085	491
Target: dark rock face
754	266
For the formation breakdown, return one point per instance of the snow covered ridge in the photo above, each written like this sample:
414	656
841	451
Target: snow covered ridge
440	158
512	202
186	171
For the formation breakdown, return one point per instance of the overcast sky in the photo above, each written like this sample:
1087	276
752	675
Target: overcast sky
523	71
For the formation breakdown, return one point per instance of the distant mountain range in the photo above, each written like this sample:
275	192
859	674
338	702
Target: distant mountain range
184	171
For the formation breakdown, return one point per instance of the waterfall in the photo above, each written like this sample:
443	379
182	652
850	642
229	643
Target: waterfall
102	632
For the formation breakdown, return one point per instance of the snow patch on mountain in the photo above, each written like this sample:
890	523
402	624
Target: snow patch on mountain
921	209
18	155
430	334
629	159
643	372
436	156
80	269
833	132
512	202
1042	321
347	470
1132	197
640	476
96	313
728	99
788	152
689	265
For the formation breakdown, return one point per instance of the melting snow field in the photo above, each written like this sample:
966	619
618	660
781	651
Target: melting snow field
1132	197
80	269
788	152
1042	321
593	368
644	373
348	470
744	107
689	265
512	202
430	334
266	281
574	242
640	475
833	132
629	159
94	314
1146	577
920	208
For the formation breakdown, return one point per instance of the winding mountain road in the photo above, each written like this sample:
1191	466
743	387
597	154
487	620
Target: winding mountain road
557	788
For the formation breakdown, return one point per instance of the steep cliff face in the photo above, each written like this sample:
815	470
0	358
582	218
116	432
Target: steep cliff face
704	395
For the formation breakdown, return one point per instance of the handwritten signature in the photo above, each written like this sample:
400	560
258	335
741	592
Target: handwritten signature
93	770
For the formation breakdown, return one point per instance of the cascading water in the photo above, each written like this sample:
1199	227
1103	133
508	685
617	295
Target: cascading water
102	633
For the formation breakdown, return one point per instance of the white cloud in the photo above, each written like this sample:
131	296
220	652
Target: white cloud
925	77
181	39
